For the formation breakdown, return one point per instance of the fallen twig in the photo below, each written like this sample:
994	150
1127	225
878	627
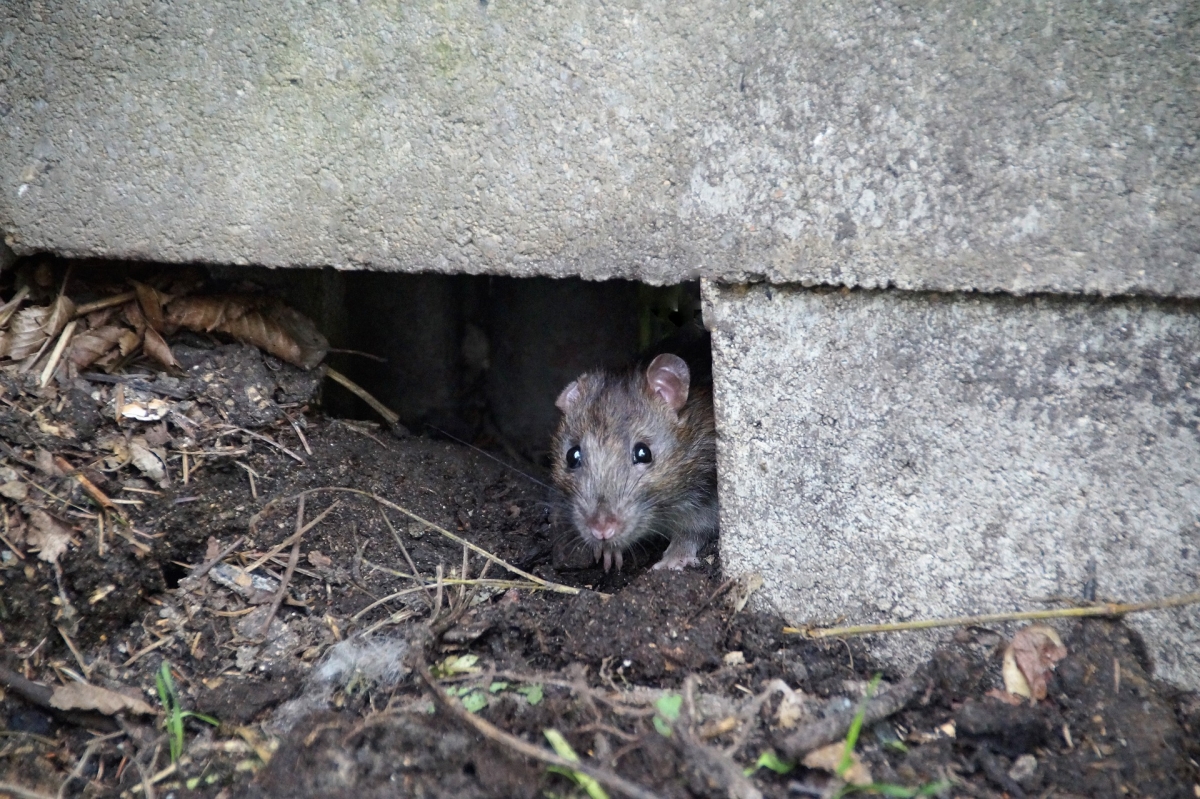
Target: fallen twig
39	695
1105	609
205	567
275	550
602	775
796	745
545	584
293	559
389	416
266	440
22	793
713	763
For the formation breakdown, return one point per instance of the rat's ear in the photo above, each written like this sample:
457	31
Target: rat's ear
569	396
668	377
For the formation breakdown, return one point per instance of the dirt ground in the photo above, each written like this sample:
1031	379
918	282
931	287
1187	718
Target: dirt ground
666	684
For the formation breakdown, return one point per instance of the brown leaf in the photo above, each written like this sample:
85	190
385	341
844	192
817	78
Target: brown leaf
157	436
89	346
134	316
45	463
128	342
28	333
265	323
5	342
1005	697
100	318
14	490
156	348
48	534
148	461
828	757
81	696
151	302
1035	650
61	312
10	307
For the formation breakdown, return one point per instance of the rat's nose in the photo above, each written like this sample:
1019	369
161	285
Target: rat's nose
603	525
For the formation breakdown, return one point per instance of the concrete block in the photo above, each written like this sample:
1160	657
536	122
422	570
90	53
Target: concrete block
1023	147
888	456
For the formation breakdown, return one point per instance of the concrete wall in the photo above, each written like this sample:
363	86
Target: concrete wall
887	456
1020	146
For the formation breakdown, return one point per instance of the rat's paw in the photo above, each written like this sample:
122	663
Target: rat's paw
678	562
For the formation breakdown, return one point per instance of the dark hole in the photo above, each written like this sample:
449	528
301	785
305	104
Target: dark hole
172	574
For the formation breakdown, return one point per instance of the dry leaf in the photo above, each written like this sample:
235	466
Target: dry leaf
128	342
90	345
157	348
14	490
134	316
791	710
48	535
1029	659
147	461
151	301
10	307
265	323
828	757
44	461
158	436
5	343
150	411
61	312
1006	697
746	585
81	696
100	318
315	558
27	332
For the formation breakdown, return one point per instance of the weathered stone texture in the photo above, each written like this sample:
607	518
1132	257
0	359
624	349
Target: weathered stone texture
889	456
1029	146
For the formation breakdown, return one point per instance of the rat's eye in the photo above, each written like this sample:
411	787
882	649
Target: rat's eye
574	458
641	453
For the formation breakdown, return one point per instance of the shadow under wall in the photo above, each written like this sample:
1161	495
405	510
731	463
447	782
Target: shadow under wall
471	355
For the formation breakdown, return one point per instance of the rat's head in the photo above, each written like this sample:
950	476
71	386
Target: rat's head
617	450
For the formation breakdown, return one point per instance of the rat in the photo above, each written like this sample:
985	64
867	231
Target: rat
635	457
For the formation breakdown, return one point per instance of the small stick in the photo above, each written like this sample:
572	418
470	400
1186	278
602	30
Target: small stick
56	354
22	793
10	307
1105	609
389	416
293	559
275	550
16	550
250	473
205	567
545	584
146	650
299	434
91	488
400	543
522	747
831	728
87	670
268	440
107	302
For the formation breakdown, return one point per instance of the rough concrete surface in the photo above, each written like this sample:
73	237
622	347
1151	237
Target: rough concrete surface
889	456
1029	146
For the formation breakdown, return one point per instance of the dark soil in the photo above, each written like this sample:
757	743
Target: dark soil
310	710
